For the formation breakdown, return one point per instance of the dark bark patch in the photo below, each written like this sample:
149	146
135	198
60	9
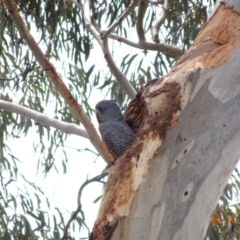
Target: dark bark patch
135	112
166	101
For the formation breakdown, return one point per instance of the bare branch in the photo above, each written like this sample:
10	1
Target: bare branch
75	213
133	4
168	50
141	12
43	119
57	81
155	28
122	80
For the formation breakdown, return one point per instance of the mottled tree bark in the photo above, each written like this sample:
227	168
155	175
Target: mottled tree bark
187	142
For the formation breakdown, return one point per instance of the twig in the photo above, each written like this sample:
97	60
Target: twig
133	4
57	81
155	28
43	119
75	213
141	12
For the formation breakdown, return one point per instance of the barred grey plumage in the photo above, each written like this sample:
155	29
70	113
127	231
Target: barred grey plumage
115	132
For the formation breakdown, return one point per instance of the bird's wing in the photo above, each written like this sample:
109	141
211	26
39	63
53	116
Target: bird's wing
117	136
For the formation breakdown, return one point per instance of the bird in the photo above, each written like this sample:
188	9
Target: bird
115	132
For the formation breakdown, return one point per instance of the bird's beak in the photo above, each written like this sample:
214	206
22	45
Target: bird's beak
97	111
97	114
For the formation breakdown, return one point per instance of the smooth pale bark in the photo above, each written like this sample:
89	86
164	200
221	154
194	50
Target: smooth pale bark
187	143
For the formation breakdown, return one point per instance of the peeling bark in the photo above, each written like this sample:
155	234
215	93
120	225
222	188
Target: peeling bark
167	184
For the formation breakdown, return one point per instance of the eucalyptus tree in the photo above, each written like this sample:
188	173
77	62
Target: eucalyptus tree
168	182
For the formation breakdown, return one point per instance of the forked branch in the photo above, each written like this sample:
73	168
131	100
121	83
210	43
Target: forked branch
99	36
79	207
130	8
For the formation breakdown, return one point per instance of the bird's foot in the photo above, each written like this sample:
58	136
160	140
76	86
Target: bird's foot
110	164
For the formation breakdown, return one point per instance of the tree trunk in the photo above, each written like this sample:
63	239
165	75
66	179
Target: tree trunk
187	143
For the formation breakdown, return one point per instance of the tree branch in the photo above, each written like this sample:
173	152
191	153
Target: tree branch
43	119
168	50
75	213
133	4
141	12
122	80
57	81
155	28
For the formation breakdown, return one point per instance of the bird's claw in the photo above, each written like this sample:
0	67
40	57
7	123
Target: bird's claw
110	164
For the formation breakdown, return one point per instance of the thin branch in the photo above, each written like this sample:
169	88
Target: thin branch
75	213
168	50
155	28
57	81
43	119
141	12
122	80
130	8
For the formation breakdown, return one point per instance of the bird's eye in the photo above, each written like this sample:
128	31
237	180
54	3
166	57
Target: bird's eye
101	109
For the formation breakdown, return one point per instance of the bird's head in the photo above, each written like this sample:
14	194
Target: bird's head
108	110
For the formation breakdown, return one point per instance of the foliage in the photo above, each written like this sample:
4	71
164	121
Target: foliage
58	27
226	217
